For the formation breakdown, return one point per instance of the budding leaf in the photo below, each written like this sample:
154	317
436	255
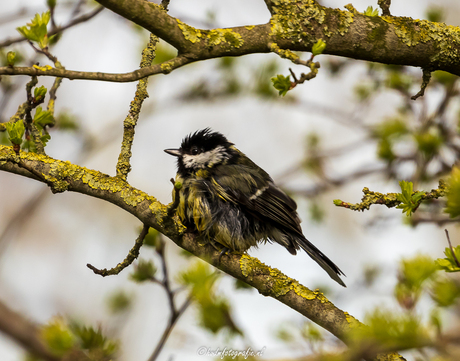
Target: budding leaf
445	292
39	93
43	118
58	337
453	194
370	11
15	131
449	264
282	84
51	3
10	58
36	30
409	200
151	238
319	47
145	271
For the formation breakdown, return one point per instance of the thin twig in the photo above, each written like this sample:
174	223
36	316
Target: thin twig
385	6
163	68
175	312
426	77
58	29
451	249
132	255
25	332
28	121
166	283
169	328
43	51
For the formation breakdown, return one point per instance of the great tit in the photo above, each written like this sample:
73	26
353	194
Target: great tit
228	199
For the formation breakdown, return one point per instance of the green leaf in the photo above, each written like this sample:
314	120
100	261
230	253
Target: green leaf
390	128
435	14
449	264
389	330
164	52
93	340
29	145
453	193
15	131
36	30
285	334
10	58
282	84
45	138
200	277
51	3
409	200
415	271
66	121
319	47
444	78
145	271
214	310
363	91
429	143
151	238
370	11
241	285
39	93
312	333
385	150
399	80
412	275
58	337
119	302
43	118
445	292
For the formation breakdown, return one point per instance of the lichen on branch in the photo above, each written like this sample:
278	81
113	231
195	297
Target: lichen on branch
130	122
271	282
394	199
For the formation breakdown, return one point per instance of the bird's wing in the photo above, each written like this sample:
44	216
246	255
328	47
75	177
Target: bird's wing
272	203
253	189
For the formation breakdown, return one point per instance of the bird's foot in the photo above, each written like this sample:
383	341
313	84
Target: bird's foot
223	251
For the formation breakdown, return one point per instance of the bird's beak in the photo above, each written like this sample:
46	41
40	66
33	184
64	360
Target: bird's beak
174	152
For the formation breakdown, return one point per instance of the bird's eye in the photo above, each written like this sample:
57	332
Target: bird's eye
194	150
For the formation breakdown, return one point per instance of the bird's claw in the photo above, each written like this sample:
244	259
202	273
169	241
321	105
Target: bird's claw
222	252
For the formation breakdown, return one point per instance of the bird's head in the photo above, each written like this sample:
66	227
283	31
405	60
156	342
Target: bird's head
202	149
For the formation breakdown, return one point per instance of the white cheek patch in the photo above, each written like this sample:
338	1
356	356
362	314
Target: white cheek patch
206	159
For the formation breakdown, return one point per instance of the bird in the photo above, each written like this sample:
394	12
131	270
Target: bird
233	203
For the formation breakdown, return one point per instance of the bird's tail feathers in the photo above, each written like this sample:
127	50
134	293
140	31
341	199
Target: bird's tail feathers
330	267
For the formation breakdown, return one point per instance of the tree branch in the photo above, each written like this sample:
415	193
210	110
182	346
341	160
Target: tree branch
130	122
296	26
163	68
24	332
57	29
268	281
132	255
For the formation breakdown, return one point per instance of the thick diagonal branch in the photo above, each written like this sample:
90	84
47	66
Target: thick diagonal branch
268	281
